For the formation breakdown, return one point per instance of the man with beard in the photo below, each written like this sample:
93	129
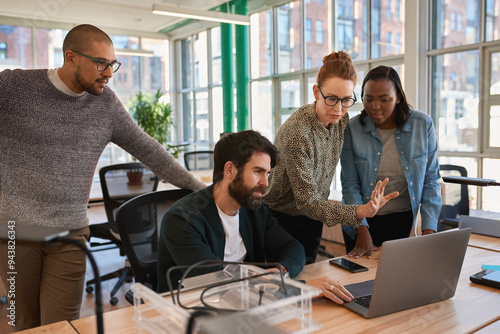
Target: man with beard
227	221
54	125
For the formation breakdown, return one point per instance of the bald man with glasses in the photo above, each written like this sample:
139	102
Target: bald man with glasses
54	126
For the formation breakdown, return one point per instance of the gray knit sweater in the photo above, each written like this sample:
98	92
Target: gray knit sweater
50	144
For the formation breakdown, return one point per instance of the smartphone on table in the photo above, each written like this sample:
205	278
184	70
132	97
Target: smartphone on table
348	265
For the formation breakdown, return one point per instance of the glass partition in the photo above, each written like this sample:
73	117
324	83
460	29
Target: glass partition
289	45
492	20
387	29
290	98
217	124
262	108
260	44
495	74
455	99
351	28
16	47
200	60
455	23
491	195
318	38
216	56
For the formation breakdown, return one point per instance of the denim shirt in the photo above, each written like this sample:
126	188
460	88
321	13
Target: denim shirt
417	145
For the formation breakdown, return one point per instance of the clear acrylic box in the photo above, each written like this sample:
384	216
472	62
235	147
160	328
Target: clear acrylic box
255	301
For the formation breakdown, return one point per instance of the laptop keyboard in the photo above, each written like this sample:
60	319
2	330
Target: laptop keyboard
363	301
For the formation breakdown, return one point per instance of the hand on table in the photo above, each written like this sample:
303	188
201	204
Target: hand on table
377	200
364	244
331	289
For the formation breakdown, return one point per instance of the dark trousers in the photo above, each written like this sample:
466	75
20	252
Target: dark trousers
385	227
306	230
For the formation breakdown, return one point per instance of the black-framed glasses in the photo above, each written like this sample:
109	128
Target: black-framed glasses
103	64
333	100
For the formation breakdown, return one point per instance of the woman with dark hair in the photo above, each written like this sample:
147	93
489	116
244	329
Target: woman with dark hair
389	140
309	144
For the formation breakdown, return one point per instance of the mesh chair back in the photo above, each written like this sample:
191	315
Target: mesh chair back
199	160
139	221
117	189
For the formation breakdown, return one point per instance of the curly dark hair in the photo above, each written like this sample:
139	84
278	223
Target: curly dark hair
238	148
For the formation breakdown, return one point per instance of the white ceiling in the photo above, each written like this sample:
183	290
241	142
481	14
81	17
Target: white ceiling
125	15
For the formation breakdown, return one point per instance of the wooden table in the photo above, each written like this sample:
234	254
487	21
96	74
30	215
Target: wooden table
119	322
474	307
61	327
119	187
493	328
485	242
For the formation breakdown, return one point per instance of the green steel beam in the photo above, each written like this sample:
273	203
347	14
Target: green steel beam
227	73
241	43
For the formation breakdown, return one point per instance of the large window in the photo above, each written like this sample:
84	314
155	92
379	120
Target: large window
260	44
384	26
492	20
199	86
16	47
351	28
464	88
317	33
455	100
287	43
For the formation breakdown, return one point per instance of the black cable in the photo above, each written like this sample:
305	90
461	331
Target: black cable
98	301
215	285
193	317
211	263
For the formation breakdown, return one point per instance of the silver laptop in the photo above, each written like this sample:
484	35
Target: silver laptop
412	272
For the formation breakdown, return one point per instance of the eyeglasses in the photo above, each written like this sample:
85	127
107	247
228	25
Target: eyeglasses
103	64
333	100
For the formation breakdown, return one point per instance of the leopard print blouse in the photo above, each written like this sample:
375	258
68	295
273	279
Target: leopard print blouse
300	183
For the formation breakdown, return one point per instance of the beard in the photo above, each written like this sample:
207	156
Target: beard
89	88
243	194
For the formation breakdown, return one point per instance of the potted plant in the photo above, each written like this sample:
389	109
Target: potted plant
135	176
152	115
155	118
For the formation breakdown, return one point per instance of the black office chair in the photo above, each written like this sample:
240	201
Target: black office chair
117	188
199	160
138	221
455	198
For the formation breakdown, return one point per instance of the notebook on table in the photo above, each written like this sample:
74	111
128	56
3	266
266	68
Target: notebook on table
412	272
